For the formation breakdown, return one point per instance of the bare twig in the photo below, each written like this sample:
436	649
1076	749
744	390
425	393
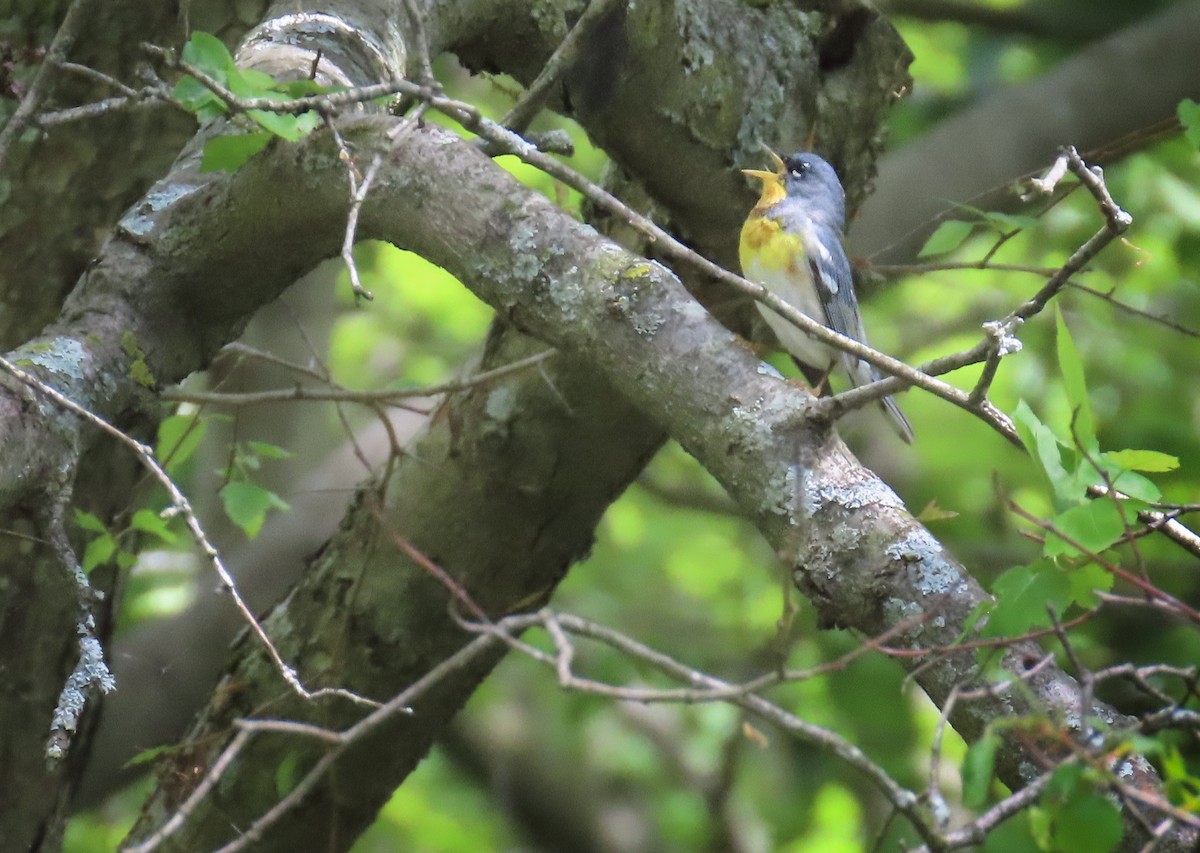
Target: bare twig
64	40
360	185
530	103
181	506
345	395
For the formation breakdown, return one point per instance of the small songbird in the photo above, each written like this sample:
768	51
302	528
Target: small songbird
791	244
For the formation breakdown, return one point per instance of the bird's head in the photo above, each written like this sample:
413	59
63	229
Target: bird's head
805	179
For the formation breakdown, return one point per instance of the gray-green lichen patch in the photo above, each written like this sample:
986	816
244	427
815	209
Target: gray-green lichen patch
856	495
523	242
60	357
140	220
500	404
897	610
934	573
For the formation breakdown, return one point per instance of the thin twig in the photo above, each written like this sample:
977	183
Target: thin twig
345	395
530	103
60	47
181	506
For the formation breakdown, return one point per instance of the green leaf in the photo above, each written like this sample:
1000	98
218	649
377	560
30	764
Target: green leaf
1008	221
1075	385
978	767
230	152
208	54
1143	460
269	451
1047	452
1022	594
1086	581
87	521
178	438
197	98
148	755
287	774
1086	821
251	83
151	522
98	552
247	504
948	237
301	88
1094	526
285	125
1137	486
1189	117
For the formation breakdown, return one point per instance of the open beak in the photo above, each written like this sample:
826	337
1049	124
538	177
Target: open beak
762	175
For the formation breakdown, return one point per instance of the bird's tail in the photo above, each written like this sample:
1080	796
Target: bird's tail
862	373
899	422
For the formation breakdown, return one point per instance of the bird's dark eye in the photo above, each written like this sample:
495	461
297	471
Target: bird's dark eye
797	168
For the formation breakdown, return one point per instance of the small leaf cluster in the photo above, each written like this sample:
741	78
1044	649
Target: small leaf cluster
1071	569
206	53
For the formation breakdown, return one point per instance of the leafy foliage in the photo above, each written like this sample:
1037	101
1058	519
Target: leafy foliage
208	55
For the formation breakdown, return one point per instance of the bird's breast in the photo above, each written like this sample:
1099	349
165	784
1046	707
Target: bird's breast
767	245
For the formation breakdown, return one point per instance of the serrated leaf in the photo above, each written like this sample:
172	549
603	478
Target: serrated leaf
978	767
178	438
1094	526
98	552
87	521
247	505
1144	460
948	237
1189	117
1075	385
229	153
1022	594
149	521
268	450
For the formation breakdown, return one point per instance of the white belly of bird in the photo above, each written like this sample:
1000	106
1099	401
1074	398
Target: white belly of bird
801	295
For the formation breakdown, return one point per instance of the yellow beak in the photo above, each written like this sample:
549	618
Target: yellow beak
764	176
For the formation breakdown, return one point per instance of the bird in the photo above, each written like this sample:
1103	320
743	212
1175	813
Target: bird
791	244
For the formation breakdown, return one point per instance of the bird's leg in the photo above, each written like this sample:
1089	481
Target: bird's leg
817	379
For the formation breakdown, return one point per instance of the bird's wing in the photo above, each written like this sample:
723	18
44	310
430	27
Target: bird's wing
835	286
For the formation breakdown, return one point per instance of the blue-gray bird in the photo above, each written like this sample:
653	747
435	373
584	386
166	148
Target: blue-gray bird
791	244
